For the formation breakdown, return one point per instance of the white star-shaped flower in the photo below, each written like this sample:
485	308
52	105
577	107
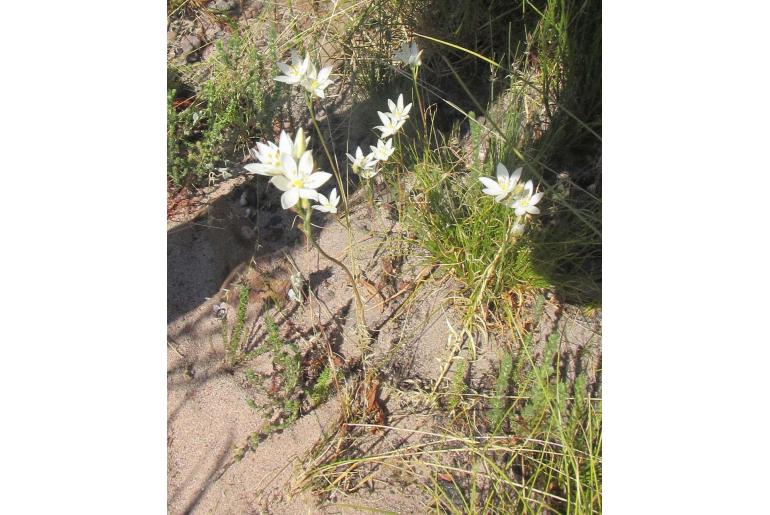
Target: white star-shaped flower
328	205
397	110
298	180
294	73
390	125
504	185
315	82
525	203
363	164
383	150
269	157
409	54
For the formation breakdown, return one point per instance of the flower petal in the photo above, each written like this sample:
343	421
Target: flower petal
534	210
306	163
285	68
502	173
281	182
516	175
290	198
287	80
316	180
491	185
528	188
299	143
324	73
307	193
262	169
289	165
536	198
285	143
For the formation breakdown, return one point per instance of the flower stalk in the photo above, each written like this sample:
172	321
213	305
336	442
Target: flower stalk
307	228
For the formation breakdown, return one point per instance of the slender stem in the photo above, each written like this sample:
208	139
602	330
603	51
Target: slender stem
419	103
332	162
308	230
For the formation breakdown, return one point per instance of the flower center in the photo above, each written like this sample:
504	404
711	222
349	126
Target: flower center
298	183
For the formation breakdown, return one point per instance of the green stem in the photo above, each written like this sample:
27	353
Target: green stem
332	162
419	103
308	230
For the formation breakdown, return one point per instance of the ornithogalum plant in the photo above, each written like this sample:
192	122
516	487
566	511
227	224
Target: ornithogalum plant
291	166
508	190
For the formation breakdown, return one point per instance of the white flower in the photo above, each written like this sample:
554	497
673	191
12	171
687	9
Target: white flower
298	180
269	157
525	203
328	205
409	55
383	150
504	185
369	172
294	73
296	148
363	164
316	81
397	110
389	126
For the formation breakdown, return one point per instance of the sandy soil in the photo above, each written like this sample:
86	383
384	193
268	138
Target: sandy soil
208	415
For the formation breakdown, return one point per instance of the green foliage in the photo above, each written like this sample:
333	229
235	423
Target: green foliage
232	100
286	357
322	387
497	411
287	363
464	229
541	113
561	425
234	342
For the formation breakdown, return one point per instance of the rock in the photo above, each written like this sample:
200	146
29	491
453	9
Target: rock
171	36
189	43
224	5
